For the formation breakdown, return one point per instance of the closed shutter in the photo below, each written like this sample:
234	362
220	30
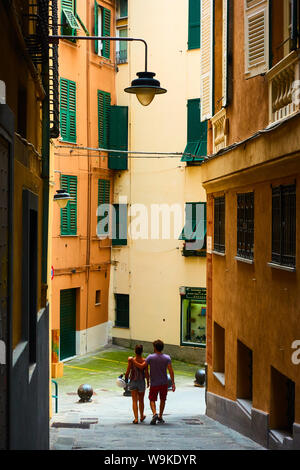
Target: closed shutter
256	37
196	133
118	137
225	54
103	118
122	310
120	225
194	24
195	222
68	110
69	213
67	323
96	32
207	37
103	198
106	32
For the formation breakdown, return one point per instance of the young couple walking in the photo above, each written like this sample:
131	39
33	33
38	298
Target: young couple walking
138	373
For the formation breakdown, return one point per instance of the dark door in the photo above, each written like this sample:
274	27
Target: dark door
67	323
4	222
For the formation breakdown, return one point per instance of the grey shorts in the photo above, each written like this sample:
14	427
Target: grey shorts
138	385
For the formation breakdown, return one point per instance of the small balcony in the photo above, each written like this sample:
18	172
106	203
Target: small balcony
284	88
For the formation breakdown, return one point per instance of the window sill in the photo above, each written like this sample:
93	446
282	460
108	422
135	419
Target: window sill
244	260
68	236
282	267
97	305
220	376
219	253
121	327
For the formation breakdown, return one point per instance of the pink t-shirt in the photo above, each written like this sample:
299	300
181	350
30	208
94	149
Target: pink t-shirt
158	368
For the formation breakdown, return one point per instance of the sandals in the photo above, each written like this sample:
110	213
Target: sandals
143	419
135	422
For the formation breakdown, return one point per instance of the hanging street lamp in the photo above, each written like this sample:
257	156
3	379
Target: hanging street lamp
62	198
145	87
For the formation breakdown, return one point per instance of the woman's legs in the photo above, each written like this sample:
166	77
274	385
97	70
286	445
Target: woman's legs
134	394
141	405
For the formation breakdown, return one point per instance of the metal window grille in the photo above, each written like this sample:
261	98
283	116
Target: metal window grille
284	225
219	224
245	225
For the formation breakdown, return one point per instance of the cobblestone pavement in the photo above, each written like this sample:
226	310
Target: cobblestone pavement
108	424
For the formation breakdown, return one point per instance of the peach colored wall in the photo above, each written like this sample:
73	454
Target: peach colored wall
83	252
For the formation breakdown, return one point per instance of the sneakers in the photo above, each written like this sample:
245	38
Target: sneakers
154	419
160	420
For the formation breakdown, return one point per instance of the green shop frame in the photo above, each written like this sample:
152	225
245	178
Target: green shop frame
193	316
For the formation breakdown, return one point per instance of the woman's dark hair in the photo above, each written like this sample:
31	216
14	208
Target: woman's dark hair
158	345
139	349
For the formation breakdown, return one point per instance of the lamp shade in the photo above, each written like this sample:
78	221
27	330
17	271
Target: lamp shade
145	87
62	198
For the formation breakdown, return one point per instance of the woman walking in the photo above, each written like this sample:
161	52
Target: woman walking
137	385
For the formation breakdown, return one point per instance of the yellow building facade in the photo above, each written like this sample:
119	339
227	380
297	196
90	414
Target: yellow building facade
155	291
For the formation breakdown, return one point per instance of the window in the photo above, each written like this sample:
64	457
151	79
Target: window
118	137
121	46
245	225
257	37
244	372
68	215
103	118
119	233
291	9
122	9
194	24
284	225
219	224
219	353
282	410
196	133
102	28
98	297
193	317
68	110
103	212
122	310
194	231
69	23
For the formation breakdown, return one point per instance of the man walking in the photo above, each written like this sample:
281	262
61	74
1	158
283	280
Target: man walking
159	364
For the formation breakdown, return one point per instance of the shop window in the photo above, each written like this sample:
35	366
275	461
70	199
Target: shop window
282	412
193	317
244	372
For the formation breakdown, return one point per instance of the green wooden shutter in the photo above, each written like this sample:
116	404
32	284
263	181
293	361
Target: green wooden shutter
194	24
69	213
96	13
103	198
68	110
106	32
118	137
120	228
122	310
195	222
196	132
67	323
68	18
103	118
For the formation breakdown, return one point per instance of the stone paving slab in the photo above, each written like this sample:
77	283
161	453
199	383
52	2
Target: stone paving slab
186	427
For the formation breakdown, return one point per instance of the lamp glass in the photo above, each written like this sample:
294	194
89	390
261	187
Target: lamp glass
145	96
62	203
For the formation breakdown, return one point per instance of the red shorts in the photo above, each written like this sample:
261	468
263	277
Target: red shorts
161	389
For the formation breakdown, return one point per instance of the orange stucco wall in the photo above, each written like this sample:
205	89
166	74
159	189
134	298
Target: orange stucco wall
83	254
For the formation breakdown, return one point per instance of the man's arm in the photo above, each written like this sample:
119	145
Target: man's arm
139	365
170	369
